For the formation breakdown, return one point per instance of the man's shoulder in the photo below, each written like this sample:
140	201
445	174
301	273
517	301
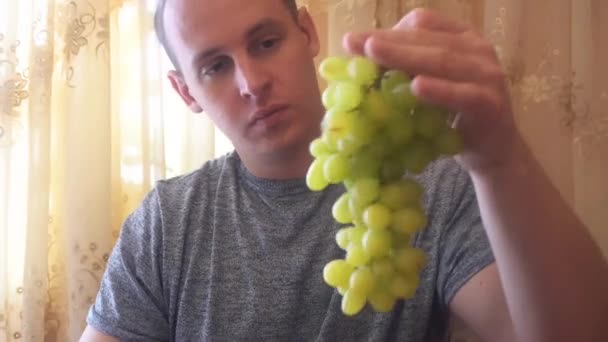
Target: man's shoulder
198	181
176	204
177	196
444	174
447	187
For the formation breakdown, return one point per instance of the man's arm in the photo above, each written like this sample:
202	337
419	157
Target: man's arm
552	272
130	304
554	276
92	335
480	304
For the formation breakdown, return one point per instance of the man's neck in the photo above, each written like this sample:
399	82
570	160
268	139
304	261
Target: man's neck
286	165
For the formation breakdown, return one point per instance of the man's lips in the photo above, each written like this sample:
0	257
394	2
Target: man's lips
265	112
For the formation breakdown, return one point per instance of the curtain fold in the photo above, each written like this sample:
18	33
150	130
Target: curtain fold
88	124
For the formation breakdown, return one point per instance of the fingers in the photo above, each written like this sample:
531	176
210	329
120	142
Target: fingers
354	42
470	98
423	27
453	66
429	60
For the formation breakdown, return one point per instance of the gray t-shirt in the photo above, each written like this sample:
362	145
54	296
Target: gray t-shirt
221	255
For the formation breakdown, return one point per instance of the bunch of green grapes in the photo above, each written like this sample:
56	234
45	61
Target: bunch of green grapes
374	132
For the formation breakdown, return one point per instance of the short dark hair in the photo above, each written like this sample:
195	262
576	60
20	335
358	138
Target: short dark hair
159	26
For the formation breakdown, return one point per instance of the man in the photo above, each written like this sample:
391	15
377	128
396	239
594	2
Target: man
235	250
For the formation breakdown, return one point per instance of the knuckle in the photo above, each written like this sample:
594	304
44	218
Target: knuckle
495	103
420	17
445	60
484	47
494	73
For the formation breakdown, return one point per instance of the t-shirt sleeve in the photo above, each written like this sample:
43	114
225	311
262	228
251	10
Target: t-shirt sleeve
130	304
464	247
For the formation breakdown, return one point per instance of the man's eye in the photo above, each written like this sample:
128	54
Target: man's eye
214	68
268	44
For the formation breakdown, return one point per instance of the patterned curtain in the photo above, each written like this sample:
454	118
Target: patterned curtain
88	123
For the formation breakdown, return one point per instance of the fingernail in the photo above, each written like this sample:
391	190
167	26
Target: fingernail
371	45
355	40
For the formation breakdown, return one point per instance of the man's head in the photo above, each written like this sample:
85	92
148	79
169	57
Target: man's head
159	25
249	66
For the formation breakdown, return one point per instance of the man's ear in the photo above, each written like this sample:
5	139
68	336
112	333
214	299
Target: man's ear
307	27
178	83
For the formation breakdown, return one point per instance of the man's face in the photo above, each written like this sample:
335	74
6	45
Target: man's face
249	66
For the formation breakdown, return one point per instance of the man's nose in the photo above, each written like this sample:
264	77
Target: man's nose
253	79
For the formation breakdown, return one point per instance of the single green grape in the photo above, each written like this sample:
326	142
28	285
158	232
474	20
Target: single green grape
356	235
383	268
362	280
412	191
356	255
392	79
330	140
409	260
340	209
362	130
315	180
337	124
393	196
364	165
377	243
334	69
382	301
336	168
348	146
362	70
353	302
319	148
402	97
375	107
408	220
377	216
403	287
329	96
365	191
343	237
337	273
349	183
347	96
356	209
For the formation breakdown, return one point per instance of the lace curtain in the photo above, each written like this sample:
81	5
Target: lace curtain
88	124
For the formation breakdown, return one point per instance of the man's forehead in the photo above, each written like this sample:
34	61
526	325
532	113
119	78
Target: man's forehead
198	20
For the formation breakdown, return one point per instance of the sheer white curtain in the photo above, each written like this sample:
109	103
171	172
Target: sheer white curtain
87	125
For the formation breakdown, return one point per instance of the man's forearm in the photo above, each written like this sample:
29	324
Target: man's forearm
554	276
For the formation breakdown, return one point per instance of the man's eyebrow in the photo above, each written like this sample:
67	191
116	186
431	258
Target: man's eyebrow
201	56
260	26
